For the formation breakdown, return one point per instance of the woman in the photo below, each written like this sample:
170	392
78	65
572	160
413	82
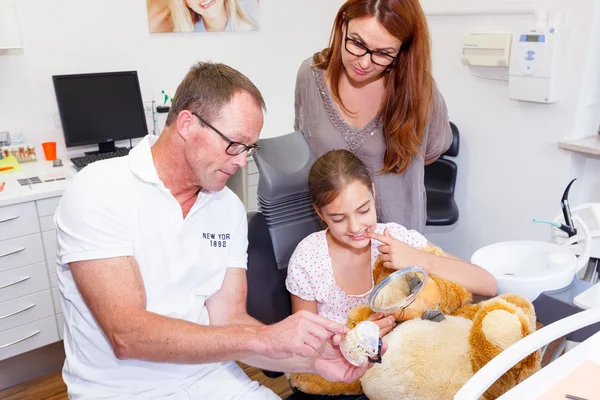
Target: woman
371	92
214	15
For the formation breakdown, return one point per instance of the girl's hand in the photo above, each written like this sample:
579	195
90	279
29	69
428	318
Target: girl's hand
385	324
396	254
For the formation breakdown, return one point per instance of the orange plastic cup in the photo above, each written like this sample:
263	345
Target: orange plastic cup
49	150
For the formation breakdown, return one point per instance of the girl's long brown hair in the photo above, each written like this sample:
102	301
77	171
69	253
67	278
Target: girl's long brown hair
409	84
331	173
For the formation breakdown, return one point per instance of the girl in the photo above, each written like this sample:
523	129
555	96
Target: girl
330	271
371	92
214	15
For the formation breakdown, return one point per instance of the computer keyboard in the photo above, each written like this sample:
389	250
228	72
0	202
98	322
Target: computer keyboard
81	162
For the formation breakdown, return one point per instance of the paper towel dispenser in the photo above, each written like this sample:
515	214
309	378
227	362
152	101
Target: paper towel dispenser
487	49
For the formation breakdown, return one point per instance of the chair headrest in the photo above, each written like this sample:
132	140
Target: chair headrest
453	150
283	163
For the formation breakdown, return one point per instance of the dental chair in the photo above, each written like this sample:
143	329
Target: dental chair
440	182
285	217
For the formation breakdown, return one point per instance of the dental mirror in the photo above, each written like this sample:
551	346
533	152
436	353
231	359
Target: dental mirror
398	290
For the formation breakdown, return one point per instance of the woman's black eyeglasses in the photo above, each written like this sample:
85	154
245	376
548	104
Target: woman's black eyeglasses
358	49
234	148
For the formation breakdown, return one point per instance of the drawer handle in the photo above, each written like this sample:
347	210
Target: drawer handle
8	219
19	340
18	311
12	252
15	282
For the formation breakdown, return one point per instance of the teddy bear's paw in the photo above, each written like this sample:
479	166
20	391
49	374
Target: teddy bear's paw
496	326
358	314
502	328
314	384
525	305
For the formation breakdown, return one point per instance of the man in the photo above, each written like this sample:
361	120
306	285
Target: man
152	258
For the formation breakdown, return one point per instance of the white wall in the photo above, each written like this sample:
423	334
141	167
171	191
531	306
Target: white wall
78	36
510	168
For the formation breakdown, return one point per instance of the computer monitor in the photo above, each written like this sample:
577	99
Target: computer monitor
100	108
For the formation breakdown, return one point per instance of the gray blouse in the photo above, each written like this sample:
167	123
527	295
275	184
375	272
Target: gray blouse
400	198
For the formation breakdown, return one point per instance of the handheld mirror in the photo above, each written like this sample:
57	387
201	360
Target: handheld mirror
398	289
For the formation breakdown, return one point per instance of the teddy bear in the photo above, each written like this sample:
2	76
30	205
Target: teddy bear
442	339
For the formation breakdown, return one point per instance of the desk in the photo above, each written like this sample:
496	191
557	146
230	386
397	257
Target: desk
30	310
14	193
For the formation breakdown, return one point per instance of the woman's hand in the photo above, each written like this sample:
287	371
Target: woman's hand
385	324
396	254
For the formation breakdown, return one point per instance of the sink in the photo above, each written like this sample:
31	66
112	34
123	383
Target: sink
528	268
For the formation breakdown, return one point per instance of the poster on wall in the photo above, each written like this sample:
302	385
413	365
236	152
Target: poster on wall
203	15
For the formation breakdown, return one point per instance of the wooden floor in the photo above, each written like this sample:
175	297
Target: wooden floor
51	386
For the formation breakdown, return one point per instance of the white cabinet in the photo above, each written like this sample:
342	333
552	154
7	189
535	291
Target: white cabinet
251	200
244	183
29	306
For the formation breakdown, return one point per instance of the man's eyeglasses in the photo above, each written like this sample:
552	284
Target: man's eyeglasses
358	49
234	148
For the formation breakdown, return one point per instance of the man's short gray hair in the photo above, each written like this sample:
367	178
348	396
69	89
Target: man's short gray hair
207	88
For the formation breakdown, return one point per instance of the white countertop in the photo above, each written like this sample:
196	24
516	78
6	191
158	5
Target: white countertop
14	193
589	145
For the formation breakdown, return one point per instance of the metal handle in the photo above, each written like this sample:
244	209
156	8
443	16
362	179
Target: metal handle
13	252
18	311
9	219
15	282
19	340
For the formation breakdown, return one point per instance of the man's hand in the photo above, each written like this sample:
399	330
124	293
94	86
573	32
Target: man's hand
385	324
396	254
301	334
331	364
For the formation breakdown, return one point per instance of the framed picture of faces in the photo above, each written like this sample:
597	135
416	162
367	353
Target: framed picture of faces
203	15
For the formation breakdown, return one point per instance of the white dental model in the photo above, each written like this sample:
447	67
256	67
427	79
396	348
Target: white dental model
361	343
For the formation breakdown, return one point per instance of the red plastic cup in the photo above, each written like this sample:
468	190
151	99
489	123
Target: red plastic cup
49	150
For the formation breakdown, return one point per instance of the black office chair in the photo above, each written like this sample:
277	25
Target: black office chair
440	182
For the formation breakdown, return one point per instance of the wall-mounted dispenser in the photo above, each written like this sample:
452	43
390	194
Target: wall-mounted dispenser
486	49
536	66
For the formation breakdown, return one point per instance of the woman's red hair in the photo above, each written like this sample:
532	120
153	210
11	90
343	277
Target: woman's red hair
409	84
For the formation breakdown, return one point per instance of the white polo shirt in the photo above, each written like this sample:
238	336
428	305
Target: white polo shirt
119	207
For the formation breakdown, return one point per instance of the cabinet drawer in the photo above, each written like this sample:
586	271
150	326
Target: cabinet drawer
50	245
23	281
60	322
54	280
21	251
51	264
28	337
56	298
47	206
18	220
25	309
47	223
